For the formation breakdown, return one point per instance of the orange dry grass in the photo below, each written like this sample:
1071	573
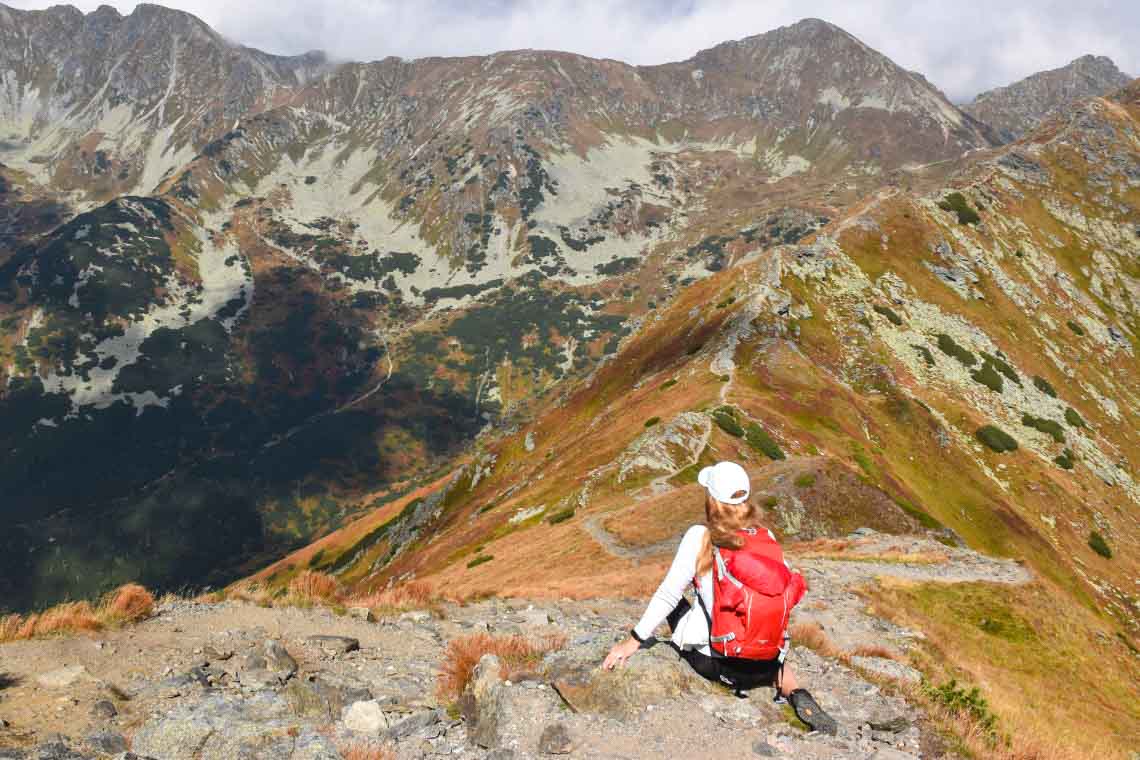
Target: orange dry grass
315	587
413	595
365	752
127	604
517	654
812	636
874	650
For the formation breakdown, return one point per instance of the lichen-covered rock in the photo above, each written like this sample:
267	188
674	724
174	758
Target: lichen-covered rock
482	703
651	676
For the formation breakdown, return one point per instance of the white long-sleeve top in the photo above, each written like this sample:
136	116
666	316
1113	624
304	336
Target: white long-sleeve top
692	631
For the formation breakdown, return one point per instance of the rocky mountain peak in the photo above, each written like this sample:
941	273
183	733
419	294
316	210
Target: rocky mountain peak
1018	108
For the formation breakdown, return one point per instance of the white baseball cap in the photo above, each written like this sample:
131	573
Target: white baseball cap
724	481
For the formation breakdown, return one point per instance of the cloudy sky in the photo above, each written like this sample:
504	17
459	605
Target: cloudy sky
963	46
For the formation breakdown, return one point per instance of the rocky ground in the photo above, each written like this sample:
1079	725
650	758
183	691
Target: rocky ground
234	680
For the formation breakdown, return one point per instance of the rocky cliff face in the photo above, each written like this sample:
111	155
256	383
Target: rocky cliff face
1017	109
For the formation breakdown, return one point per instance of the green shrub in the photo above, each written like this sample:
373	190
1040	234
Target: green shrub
1099	545
1049	427
759	440
807	480
947	346
479	560
969	704
1076	328
1074	419
988	377
725	378
668	383
996	439
771	502
652	421
1002	366
956	202
889	313
559	517
1066	459
725	418
1043	385
924	352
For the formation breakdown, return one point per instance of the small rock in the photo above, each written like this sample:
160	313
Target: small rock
416	616
482	703
362	613
365	718
107	742
62	677
762	748
555	740
502	753
219	654
534	617
414	723
886	753
335	645
278	660
888	668
104	709
894	724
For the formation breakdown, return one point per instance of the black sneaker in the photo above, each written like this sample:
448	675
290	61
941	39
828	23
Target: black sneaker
809	711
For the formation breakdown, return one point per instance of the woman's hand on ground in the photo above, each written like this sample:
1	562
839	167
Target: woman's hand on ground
620	653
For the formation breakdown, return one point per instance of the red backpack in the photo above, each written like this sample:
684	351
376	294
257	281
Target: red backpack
753	596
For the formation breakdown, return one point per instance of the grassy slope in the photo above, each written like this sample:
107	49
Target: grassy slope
823	380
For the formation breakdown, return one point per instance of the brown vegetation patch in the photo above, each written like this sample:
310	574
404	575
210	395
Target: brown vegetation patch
518	655
127	604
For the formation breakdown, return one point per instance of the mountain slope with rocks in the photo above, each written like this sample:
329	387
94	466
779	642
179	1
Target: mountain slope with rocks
206	680
1019	108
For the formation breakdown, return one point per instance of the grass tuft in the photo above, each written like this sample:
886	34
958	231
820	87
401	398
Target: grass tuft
517	655
412	595
479	560
127	604
311	587
365	752
652	421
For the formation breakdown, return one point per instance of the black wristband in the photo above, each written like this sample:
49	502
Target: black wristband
638	639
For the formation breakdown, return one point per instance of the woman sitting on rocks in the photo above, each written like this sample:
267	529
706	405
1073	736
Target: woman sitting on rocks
736	636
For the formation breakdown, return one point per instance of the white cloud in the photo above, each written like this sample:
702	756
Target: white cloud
963	47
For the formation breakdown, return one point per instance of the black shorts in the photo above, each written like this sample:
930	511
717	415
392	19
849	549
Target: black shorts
734	672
